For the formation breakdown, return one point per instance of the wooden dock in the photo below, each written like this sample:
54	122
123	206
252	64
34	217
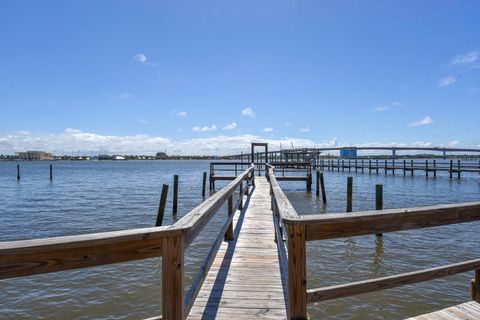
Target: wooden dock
245	280
248	274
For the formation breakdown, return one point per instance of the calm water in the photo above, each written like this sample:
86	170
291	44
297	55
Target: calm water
102	196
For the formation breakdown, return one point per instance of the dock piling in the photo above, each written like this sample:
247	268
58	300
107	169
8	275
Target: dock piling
175	194
204	182
322	186
161	206
18	172
51	172
379	201
349	193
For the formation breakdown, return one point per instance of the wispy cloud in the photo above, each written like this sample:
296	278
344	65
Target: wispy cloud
142	59
180	113
453	143
305	129
445	82
230	126
143	121
422	122
466	59
386	107
248	112
123	96
205	129
267	129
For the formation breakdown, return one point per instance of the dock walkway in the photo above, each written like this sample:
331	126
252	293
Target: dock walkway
245	281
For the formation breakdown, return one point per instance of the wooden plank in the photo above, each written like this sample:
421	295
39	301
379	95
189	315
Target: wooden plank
465	311
244	280
172	278
30	257
371	285
297	272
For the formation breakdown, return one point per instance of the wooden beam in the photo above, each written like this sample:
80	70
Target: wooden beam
372	285
29	257
172	278
297	272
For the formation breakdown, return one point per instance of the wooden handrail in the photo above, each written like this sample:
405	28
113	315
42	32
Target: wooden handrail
372	285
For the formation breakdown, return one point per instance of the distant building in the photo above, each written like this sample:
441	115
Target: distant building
34	155
348	153
161	156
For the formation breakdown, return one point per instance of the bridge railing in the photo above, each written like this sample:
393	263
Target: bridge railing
37	256
299	230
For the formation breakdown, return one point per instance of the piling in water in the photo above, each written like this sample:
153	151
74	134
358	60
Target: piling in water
51	172
349	193
379	200
175	194
322	186
161	206
18	172
204	182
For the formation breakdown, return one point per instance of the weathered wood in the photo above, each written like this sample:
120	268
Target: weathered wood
372	285
317	183
161	205
475	286
229	232
327	226
322	185
175	195
29	257
465	311
297	272
379	201
172	277
51	172
18	172
349	193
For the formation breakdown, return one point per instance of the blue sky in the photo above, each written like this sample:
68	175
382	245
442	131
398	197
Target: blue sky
141	76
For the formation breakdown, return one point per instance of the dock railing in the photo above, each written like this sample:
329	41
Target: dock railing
37	256
301	229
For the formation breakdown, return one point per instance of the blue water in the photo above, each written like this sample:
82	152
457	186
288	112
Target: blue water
99	196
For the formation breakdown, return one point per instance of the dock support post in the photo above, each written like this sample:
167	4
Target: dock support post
459	169
379	201
411	165
240	205
349	193
435	168
322	186
404	167
386	168
393	166
204	182
229	232
363	168
297	272
377	165
369	165
175	195
161	206
172	277
451	169
317	184
18	172
426	168
51	172
475	286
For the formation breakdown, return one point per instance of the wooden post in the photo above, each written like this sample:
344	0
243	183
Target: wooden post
377	165
411	165
475	286
175	194
426	168
404	167
204	182
434	168
173	247
322	186
379	200
459	169
51	172
393	166
240	206
18	172
161	206
317	184
349	193
343	165
451	168
363	168
229	232
297	272
369	165
386	168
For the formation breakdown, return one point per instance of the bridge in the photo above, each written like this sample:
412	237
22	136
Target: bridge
256	268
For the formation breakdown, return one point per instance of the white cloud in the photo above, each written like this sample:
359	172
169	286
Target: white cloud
453	143
466	59
205	129
248	112
123	96
386	107
230	126
422	122
445	82
267	129
140	57
181	113
305	129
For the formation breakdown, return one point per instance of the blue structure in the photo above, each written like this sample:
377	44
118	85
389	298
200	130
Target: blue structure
348	153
